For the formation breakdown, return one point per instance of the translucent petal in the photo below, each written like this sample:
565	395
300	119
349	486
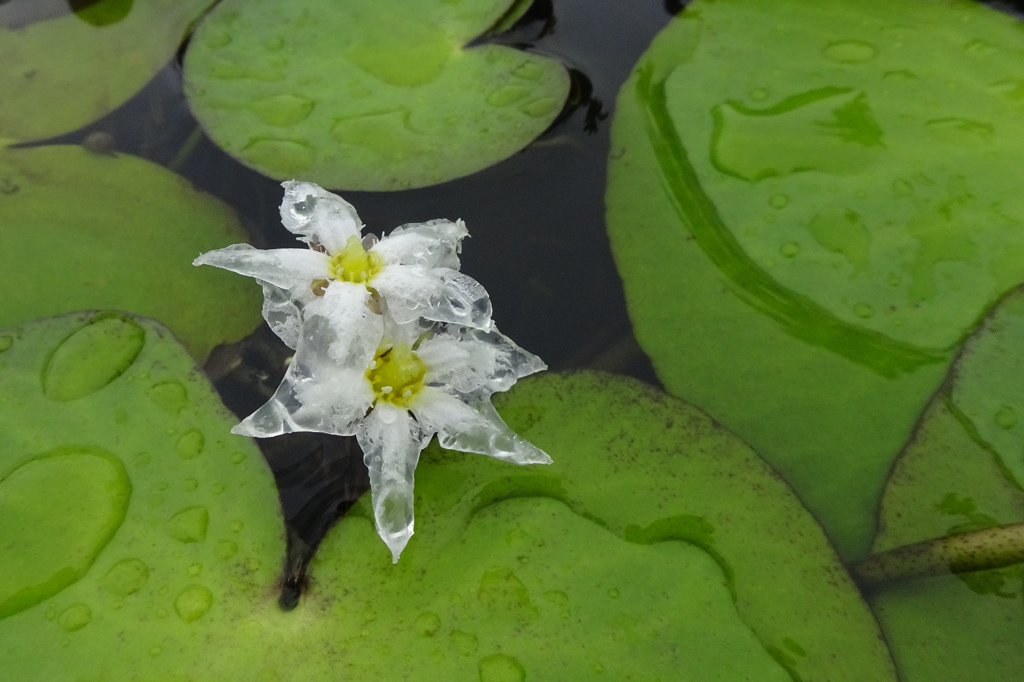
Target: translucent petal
473	361
472	427
437	294
341	327
318	216
434	244
281	267
310	400
282	307
325	388
391	441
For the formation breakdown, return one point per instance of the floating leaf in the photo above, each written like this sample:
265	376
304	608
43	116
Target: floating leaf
657	541
367	94
618	557
84	230
957	475
122	532
107	52
807	233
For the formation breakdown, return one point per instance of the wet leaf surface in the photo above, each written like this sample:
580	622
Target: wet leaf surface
367	95
958	475
127	243
60	70
807	233
657	546
134	523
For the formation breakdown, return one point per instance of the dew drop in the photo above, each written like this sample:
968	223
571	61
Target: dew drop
528	70
779	201
539	107
189	524
126	577
850	51
92	357
283	110
790	249
217	488
190	444
509	94
829	130
758	94
194	570
237	526
428	623
613	593
226	549
598	669
193	603
275	43
60	510
191	484
238	457
1006	417
169	396
464	642
501	668
252	564
285	157
155	651
74	617
863	311
6	341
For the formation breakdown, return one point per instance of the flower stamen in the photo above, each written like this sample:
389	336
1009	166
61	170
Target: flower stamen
396	374
354	263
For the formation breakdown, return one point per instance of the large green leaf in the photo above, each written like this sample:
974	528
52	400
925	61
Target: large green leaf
658	546
367	94
134	523
83	230
811	204
957	475
63	72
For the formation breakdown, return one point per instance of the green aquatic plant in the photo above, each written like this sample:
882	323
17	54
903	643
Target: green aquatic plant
367	94
125	245
108	51
807	233
85	230
655	536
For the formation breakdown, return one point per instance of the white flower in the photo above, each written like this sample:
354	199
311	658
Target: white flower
414	269
394	386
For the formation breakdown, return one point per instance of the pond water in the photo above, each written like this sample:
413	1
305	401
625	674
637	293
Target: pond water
539	244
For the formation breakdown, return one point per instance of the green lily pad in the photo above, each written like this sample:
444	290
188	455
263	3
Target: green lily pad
957	475
657	542
367	95
84	230
100	64
806	233
132	517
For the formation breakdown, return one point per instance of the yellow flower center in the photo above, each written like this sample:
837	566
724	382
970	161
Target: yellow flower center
354	263
396	374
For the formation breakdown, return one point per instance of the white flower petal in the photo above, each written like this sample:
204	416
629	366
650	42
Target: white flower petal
473	361
281	267
307	400
391	442
348	332
472	428
435	244
318	216
437	294
282	309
